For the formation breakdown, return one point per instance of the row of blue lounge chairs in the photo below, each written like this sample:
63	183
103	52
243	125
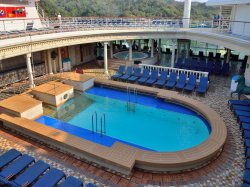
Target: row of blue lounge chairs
211	66
19	170
162	81
241	110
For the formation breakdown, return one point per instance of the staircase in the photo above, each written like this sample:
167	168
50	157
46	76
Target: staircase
226	12
42	14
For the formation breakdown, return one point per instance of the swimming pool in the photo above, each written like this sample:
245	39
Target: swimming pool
124	55
153	124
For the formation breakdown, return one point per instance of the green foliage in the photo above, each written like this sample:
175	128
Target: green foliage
139	8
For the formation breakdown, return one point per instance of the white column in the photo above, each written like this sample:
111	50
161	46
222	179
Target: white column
186	13
111	49
60	60
29	69
130	50
54	66
49	61
247	72
152	48
106	58
173	53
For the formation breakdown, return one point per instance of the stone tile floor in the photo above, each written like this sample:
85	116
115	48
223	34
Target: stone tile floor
226	170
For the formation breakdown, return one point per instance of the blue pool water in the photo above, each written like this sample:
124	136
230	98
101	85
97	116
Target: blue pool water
153	125
135	55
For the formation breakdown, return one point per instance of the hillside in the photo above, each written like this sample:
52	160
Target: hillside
139	8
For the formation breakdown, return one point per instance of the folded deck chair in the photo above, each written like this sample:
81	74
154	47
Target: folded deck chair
239	102
119	72
172	80
217	68
17	166
246	176
144	76
127	74
245	126
152	78
8	156
31	173
191	84
238	107
71	182
181	82
162	79
225	69
50	179
248	152
203	85
244	119
179	63
242	113
137	73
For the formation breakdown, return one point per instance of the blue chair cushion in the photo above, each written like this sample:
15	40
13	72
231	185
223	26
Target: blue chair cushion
71	182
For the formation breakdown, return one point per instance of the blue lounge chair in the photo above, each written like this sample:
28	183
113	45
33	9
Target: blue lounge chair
217	68
242	113
153	78
187	64
179	63
171	82
119	72
8	156
31	173
246	176
144	76
245	126
246	135
244	119
137	73
127	74
50	179
202	88
225	69
91	185
71	182
181	82
238	107
239	102
210	66
245	185
162	79
191	84
17	166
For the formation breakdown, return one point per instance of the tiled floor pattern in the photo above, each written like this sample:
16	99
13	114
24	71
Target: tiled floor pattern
227	170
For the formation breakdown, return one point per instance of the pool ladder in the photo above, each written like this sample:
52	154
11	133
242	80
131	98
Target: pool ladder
131	101
102	129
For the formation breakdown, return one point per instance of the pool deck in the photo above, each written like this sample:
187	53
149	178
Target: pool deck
226	170
123	158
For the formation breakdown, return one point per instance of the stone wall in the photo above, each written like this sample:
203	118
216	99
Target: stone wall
12	76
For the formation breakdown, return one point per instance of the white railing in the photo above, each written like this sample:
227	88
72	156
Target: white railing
198	74
18	27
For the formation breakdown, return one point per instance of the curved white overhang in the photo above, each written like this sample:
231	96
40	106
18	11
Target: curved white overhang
28	44
226	2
